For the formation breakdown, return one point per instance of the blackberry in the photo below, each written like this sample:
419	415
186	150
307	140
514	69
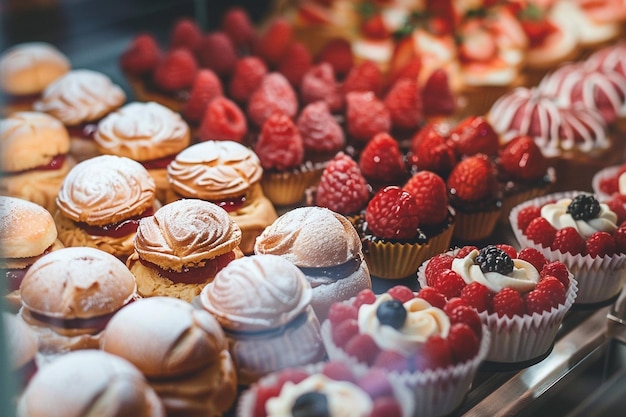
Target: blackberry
493	259
584	207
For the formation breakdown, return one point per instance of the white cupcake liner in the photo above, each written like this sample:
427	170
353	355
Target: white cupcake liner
599	279
435	392
608	172
247	400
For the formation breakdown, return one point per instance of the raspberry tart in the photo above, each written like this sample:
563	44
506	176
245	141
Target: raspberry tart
435	350
579	231
521	297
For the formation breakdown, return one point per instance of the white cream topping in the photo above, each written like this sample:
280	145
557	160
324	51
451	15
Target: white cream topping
556	214
345	399
523	278
422	321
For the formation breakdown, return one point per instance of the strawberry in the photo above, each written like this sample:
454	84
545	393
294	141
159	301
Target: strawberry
343	331
411	70
319	83
280	145
223	120
374	27
386	406
217	52
401	293
365	296
510	250
431	196
534	257
477	295
295	63
434	297
540	231
437	98
537	302
186	34
339	312
553	288
313	13
600	244
392	214
366	116
238	27
338	53
464	251
142	55
365	76
449	283
521	159
526	215
463	342
392	361
568	240
508	302
342	187
434	154
477	44
176	70
274	41
247	75
435	266
474	135
404	103
363	348
472	179
381	160
558	270
319	129
436	353
620	239
274	95
205	88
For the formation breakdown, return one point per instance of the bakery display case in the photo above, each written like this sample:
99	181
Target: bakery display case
583	373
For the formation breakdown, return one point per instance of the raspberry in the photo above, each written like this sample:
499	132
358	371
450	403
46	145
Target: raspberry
375	383
237	25
600	244
295	63
364	77
264	393
344	331
339	312
453	303
247	75
474	135
526	215
404	103
438	129
273	43
431	195
609	185
436	353
391	361
392	214
465	250
401	293
467	315
437	98
142	55
366	116
617	204
449	283
510	250
186	34
567	240
434	297
342	187
472	179
556	269
176	71
339	371
463	342
319	83
381	160
274	94
508	302
553	288
365	296
534	257
319	129
540	231
537	302
521	159
386	407
620	239
477	295
217	52
435	265
223	120
280	145
434	154
205	88
363	348
338	53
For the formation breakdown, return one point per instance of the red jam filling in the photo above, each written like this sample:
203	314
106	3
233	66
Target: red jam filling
55	163
25	99
119	229
194	275
83	130
14	277
159	163
231	204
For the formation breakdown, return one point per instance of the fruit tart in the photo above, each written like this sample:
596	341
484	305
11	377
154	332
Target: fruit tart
433	351
581	232
521	297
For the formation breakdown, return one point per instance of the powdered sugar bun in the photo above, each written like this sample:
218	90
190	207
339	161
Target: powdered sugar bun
106	189
80	96
26	229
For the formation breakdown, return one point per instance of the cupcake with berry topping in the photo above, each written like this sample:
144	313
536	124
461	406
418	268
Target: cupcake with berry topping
522	298
434	350
581	232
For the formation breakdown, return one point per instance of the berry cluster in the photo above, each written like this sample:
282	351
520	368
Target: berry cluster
461	344
445	285
374	382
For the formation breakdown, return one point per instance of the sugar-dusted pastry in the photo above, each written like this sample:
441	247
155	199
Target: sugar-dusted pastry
226	173
181	350
263	305
27	232
26	69
80	99
69	295
87	383
22	346
180	249
149	133
101	201
34	157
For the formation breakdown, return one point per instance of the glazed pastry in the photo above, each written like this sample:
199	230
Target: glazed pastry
181	350
34	148
227	174
180	249
263	305
101	201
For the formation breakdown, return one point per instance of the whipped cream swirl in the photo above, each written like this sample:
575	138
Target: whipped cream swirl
556	214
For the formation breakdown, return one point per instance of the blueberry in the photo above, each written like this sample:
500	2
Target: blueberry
391	313
311	404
